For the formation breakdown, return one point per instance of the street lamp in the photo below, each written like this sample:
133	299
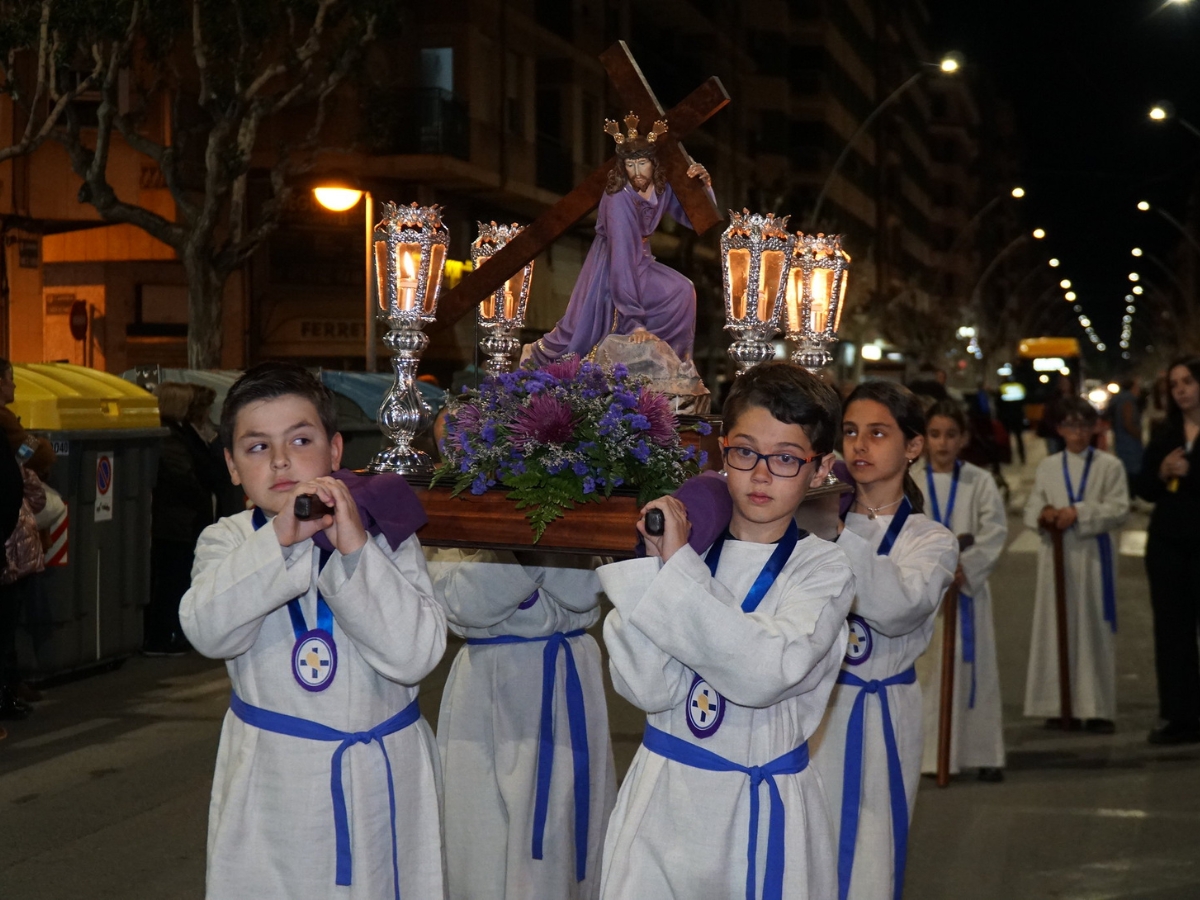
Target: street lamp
339	194
1136	251
1036	234
1144	206
1164	110
1065	283
949	64
1055	263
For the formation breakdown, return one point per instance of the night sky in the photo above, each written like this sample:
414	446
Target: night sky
1081	77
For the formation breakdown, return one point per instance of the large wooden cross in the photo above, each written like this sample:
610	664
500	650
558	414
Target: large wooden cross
636	95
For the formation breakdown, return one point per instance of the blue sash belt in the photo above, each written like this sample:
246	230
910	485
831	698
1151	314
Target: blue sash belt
314	731
1104	542
791	763
576	721
966	614
852	775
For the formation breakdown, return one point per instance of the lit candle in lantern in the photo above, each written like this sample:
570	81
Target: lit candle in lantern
406	285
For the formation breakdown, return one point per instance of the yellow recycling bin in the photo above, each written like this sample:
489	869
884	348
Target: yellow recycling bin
106	435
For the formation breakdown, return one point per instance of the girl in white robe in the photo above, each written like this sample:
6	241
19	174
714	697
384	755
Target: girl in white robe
869	748
490	727
1091	502
733	668
964	498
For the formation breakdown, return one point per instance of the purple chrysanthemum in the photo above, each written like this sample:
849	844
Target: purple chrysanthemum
657	410
563	369
543	420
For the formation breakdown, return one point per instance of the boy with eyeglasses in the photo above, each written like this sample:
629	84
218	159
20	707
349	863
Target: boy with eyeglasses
1083	493
733	656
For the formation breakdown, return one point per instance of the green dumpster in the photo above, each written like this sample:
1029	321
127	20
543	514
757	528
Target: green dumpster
106	435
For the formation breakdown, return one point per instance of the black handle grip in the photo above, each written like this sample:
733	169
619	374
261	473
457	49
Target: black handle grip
656	522
309	506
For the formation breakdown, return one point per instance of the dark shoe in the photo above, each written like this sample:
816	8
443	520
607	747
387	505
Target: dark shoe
1056	724
174	645
12	709
1174	734
1100	726
27	692
991	774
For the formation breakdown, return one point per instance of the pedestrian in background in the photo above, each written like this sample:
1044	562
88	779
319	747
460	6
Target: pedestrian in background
182	507
1170	480
1126	415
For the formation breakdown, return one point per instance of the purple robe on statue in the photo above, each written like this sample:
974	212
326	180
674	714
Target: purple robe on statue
621	287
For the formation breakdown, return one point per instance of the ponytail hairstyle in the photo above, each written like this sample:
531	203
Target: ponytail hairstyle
906	409
949	409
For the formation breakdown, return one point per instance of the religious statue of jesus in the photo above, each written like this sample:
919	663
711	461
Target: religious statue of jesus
622	289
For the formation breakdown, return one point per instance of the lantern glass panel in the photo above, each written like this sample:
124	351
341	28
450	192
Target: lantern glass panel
512	295
794	299
770	273
739	276
822	285
437	262
837	319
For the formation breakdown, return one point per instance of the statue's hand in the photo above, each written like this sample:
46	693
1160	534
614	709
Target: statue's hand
695	170
641	336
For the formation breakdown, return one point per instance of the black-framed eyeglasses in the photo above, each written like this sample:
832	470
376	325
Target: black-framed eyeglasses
781	465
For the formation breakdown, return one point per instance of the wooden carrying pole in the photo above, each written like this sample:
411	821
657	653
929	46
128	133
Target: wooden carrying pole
946	704
1060	617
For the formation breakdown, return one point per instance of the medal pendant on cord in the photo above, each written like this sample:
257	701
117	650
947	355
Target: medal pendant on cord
314	655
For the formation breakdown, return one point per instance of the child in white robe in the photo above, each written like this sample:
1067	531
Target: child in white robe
1083	493
326	773
965	499
869	748
512	833
732	656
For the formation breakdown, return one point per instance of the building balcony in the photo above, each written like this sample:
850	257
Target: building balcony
420	120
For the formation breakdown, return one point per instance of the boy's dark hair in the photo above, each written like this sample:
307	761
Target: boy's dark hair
791	394
949	409
269	380
906	409
1077	408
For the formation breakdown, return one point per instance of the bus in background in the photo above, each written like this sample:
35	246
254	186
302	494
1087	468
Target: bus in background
1034	377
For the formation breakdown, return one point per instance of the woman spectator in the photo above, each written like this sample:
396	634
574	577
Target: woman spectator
1170	479
24	559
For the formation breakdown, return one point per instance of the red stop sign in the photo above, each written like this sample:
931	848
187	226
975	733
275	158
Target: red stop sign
79	319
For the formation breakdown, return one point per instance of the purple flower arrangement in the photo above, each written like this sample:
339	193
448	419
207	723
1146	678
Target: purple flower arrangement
568	433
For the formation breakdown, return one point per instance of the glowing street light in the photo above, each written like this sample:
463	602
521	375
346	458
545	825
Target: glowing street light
338	194
1143	205
1055	263
1039	233
1018	192
1138	289
951	63
1134	276
1164	110
1065	283
1136	251
1069	295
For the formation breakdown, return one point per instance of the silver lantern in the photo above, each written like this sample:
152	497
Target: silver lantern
410	253
756	253
816	289
502	313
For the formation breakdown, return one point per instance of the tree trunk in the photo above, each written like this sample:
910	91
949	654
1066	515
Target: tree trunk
206	285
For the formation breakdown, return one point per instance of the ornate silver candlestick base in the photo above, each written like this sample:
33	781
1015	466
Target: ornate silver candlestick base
501	347
403	414
812	354
752	345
